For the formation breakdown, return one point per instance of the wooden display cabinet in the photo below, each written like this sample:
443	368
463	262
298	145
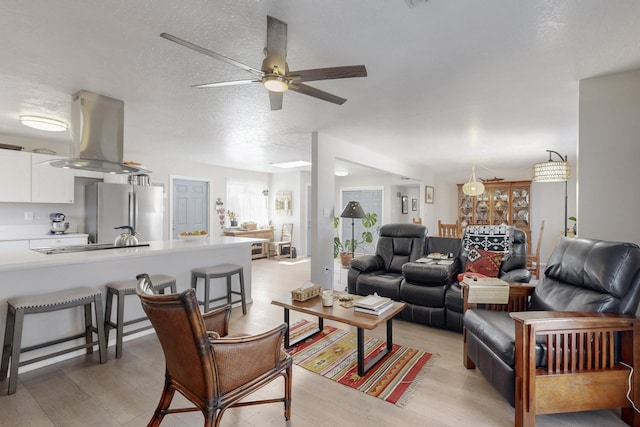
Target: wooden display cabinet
503	202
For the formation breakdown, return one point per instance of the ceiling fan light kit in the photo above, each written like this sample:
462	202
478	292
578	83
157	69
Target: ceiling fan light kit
271	76
275	83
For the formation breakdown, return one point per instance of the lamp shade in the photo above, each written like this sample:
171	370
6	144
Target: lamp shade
473	187
353	210
551	171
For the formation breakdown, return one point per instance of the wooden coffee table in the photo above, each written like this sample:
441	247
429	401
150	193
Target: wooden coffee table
344	315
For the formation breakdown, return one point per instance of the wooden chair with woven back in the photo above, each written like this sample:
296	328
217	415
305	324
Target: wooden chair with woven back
286	238
448	230
533	260
212	371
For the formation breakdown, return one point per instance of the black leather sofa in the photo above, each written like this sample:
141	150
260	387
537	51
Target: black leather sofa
431	292
582	275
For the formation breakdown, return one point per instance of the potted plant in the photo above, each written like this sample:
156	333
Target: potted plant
346	249
574	229
233	218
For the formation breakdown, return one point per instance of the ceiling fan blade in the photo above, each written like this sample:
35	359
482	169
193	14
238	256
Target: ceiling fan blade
317	93
211	53
275	99
276	50
329	73
229	83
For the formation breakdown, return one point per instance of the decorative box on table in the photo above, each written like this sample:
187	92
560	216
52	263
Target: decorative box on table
306	292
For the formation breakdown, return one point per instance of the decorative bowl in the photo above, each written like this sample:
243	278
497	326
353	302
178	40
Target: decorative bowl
193	238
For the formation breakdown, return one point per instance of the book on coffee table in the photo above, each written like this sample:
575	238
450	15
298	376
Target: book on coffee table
372	302
377	311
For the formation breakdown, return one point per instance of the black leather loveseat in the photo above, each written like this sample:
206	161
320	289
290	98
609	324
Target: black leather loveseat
430	291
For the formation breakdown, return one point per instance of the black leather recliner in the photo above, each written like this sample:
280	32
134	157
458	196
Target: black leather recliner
382	273
581	275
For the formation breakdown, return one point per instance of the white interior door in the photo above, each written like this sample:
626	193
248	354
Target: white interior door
190	206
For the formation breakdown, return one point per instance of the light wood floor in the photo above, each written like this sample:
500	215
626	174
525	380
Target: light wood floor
124	392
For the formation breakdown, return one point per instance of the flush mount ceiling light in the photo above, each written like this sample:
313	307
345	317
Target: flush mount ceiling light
473	187
341	172
44	123
289	165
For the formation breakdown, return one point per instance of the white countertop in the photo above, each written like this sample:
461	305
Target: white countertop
21	259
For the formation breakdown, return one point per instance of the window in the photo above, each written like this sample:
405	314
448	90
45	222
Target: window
245	198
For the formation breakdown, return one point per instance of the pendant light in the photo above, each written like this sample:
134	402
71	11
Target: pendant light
473	187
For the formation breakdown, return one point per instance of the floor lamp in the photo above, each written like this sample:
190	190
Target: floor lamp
353	210
554	171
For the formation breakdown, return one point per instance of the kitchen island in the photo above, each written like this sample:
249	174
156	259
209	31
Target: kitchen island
26	272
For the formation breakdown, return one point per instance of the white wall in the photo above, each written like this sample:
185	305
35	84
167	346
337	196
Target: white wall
609	150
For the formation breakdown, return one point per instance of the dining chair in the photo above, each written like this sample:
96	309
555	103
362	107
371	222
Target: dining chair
286	238
533	260
448	230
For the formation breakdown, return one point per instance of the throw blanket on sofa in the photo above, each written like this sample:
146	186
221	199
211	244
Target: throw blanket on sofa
493	238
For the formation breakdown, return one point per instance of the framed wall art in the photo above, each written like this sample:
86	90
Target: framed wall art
283	203
414	204
428	194
405	204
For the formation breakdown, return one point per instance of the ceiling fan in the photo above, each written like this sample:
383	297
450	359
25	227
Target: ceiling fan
274	73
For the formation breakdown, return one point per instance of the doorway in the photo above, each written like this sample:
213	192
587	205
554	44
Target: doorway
189	205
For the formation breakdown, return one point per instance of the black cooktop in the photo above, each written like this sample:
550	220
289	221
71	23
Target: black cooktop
83	248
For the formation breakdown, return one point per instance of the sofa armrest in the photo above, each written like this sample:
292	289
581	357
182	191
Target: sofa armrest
521	275
367	263
582	356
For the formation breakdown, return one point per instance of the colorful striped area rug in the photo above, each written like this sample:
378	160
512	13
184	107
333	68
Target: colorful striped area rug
333	354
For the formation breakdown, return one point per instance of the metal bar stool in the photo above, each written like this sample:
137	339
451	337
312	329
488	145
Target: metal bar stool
222	270
43	303
122	288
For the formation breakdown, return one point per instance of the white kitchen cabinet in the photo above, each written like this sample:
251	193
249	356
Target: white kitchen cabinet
59	241
15	176
13	245
49	184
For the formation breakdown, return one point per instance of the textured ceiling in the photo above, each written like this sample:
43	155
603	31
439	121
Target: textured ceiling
450	83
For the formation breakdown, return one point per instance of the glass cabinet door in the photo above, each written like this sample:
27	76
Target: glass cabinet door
482	208
499	205
465	216
520	207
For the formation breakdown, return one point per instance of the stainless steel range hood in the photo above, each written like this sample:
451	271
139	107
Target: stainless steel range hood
97	127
